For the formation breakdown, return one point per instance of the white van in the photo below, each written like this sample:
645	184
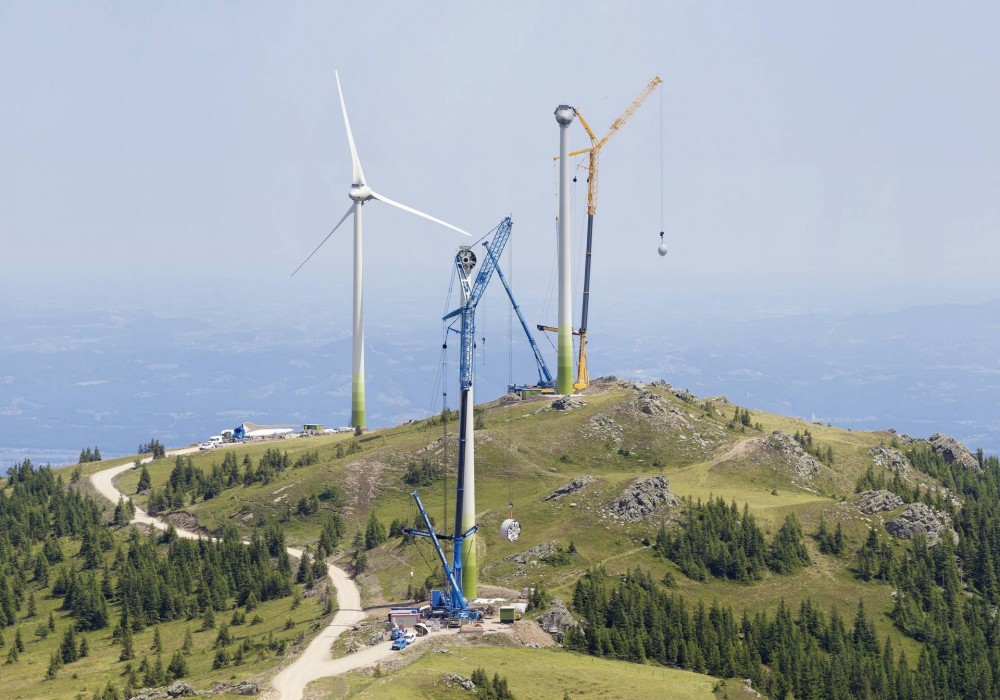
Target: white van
216	441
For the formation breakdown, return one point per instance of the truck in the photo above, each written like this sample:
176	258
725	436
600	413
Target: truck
399	643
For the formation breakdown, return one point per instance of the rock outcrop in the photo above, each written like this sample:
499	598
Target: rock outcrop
572	487
538	552
802	463
919	517
890	459
568	403
876	501
180	689
557	618
644	498
650	404
953	451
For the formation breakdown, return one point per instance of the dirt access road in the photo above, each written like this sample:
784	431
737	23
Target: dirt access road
315	661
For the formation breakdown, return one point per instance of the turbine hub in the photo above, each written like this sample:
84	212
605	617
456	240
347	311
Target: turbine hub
360	193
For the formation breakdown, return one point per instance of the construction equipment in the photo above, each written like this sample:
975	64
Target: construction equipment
596	144
545	381
462	574
454	602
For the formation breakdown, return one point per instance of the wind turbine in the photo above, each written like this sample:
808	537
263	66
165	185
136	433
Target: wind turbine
360	193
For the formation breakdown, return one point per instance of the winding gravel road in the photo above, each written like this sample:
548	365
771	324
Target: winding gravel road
315	661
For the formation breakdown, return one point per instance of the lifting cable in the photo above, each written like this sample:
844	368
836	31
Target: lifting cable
510	377
661	165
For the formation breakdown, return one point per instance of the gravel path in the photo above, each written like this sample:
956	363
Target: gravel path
315	661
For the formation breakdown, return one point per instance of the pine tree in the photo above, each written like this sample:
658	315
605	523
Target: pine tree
221	659
178	666
208	619
145	481
224	638
55	663
128	650
375	532
188	642
69	649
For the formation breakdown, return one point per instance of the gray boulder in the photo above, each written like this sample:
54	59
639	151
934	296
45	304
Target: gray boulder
557	618
650	404
919	517
568	403
180	689
876	501
890	459
644	498
801	462
572	487
539	551
953	451
246	688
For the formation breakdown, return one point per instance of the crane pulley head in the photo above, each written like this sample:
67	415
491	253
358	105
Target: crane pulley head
467	258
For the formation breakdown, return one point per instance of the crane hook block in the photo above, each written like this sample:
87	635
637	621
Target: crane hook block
662	250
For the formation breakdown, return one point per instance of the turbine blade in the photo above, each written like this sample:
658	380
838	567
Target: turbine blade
390	202
358	174
342	220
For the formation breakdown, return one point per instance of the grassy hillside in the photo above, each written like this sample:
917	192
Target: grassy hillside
575	675
619	432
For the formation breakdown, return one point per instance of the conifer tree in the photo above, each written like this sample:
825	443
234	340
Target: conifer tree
69	649
55	663
128	650
178	666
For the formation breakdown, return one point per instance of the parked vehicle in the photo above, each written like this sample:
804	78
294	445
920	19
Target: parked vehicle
400	643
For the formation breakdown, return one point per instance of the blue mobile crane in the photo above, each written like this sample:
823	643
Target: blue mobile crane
454	602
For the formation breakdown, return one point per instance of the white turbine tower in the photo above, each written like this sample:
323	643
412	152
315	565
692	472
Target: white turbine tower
360	193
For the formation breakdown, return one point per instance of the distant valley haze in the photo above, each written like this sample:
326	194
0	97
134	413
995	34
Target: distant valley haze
96	369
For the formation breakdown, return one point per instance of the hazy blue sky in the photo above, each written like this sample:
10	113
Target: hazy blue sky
846	147
186	156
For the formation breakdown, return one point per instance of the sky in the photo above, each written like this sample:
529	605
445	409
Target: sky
837	147
186	156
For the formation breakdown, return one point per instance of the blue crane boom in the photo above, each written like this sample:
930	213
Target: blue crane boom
456	601
473	293
544	376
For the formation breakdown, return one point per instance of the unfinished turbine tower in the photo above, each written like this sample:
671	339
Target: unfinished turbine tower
360	193
564	369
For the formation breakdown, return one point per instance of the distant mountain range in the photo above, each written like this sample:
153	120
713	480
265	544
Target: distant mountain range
114	379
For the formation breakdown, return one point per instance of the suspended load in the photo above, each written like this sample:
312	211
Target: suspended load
510	529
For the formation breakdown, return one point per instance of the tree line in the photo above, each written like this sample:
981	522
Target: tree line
720	541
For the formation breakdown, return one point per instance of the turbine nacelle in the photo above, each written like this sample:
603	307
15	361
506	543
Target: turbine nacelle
361	193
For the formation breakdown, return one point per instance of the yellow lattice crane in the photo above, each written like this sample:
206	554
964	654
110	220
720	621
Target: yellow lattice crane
596	144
